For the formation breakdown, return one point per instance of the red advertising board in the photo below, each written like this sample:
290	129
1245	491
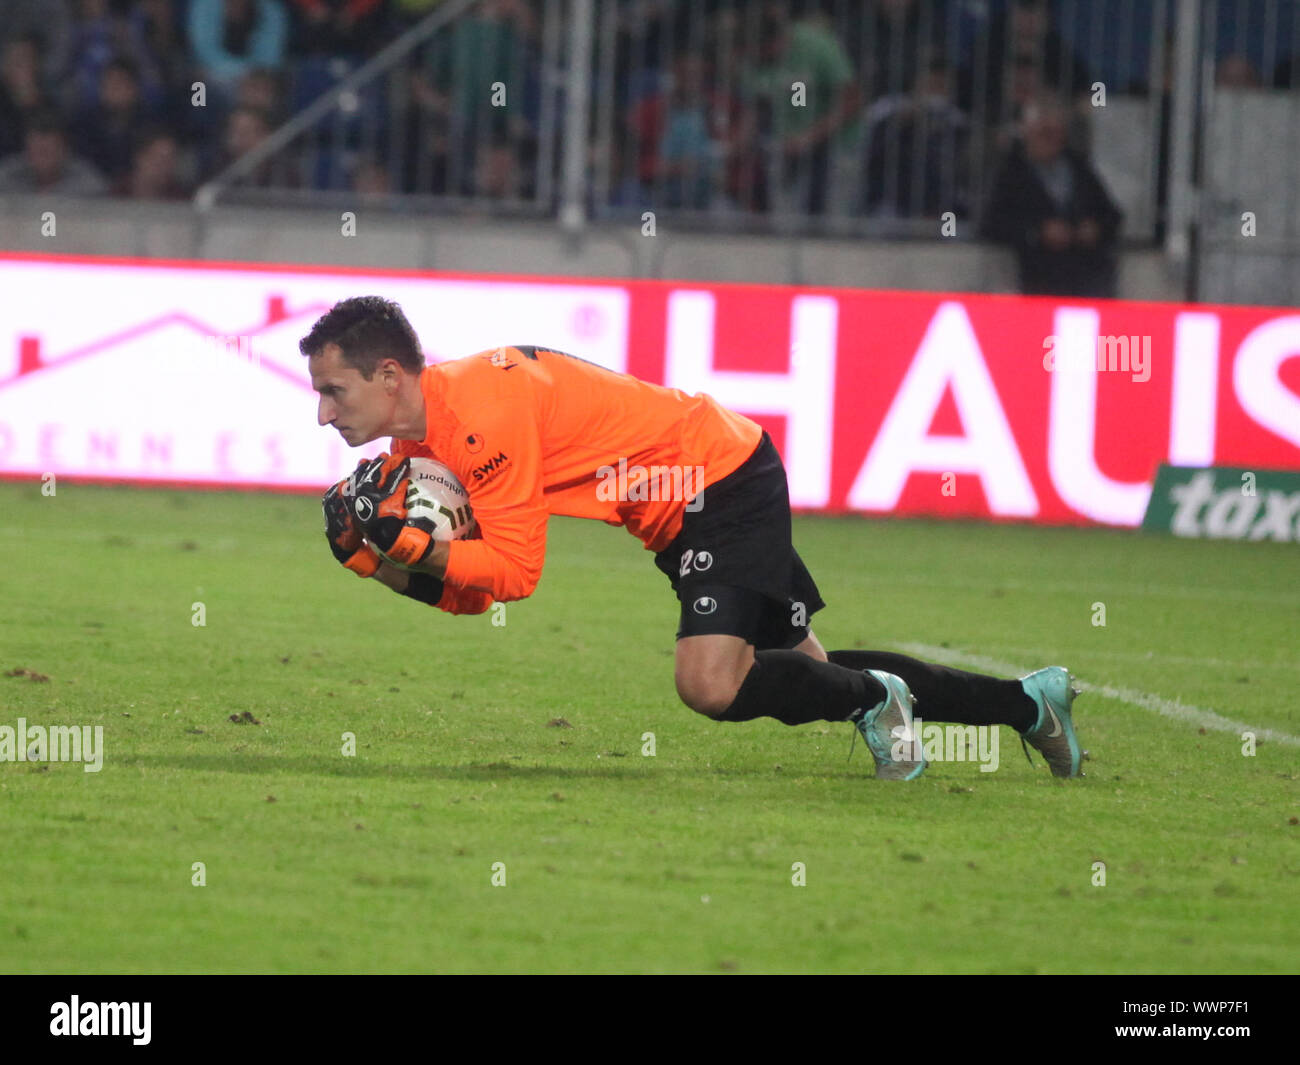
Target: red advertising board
881	402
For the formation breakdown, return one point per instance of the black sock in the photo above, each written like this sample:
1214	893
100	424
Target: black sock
795	689
944	694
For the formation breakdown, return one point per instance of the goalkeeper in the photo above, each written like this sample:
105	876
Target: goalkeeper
533	432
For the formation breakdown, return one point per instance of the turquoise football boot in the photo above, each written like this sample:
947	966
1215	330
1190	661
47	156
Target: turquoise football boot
1053	690
888	730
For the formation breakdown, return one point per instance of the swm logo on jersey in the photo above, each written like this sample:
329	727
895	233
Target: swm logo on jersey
487	470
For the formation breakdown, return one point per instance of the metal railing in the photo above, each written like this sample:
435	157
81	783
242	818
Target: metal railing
793	117
1247	218
804	117
853	117
458	111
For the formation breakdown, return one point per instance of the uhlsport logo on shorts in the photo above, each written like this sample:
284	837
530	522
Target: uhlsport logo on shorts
705	605
53	743
697	560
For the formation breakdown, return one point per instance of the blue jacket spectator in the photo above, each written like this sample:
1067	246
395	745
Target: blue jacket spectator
231	37
101	33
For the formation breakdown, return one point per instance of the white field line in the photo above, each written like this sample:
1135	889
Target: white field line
1172	708
1095	589
1147	657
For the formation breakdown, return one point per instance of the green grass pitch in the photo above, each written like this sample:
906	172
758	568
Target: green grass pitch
615	861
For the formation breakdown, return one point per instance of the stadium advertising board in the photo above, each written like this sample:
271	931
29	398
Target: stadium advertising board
1225	504
881	402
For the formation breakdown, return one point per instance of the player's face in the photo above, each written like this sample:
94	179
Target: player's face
359	409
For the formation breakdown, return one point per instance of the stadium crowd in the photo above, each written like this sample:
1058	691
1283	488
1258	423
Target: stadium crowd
693	105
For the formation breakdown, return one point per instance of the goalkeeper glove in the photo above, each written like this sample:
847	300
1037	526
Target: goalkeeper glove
344	537
379	503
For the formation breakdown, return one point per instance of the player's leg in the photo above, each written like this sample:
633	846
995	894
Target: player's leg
1038	706
724	677
945	694
942	694
720	672
758	670
745	599
812	647
709	670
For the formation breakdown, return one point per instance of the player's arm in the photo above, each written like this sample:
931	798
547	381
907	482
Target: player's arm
423	586
379	494
504	478
435	562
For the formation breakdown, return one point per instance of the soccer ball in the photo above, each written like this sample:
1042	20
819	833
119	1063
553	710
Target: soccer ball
437	503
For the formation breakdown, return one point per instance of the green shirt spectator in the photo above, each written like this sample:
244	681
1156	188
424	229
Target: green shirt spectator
806	52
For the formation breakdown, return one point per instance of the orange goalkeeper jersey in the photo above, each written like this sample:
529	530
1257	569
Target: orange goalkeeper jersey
533	432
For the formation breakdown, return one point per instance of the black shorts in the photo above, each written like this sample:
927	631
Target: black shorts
733	566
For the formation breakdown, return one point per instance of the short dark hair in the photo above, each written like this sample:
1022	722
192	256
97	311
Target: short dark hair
44	119
369	329
257	112
30	38
126	65
149	133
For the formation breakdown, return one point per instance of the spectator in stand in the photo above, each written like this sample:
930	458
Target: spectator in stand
625	189
914	151
808	102
161	32
1050	206
1024	37
104	133
22	89
650	34
899	39
156	168
1237	72
497	173
453	95
735	122
245	129
1284	74
260	90
338	28
50	22
231	37
685	133
406	13
46	165
427	136
692	148
370	180
105	30
1024	85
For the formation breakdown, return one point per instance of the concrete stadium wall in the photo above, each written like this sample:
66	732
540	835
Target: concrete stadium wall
481	245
